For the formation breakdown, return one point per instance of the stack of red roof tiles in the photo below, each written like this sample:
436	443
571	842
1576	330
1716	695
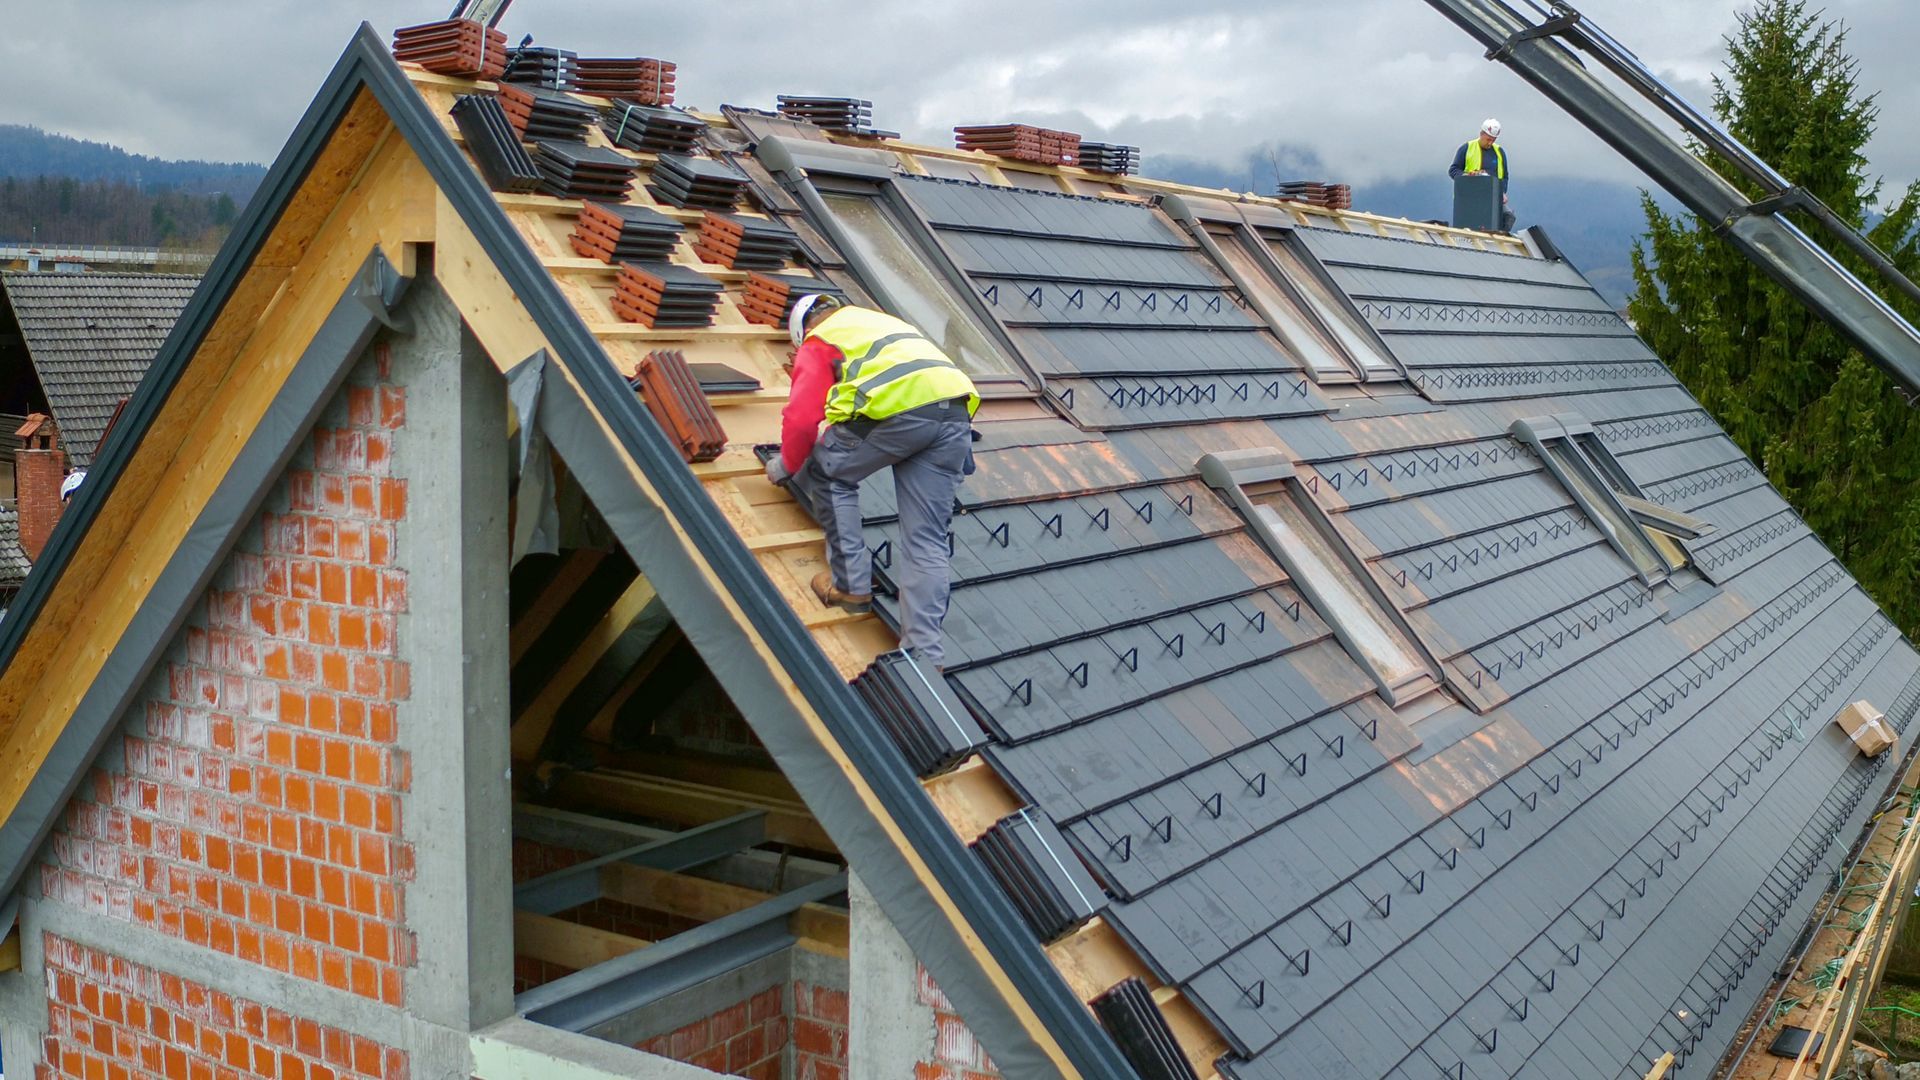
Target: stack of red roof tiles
744	243
616	232
662	294
642	80
1022	142
1318	193
770	298
458	47
676	400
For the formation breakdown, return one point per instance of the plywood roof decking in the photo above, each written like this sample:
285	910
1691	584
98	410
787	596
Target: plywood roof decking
1530	886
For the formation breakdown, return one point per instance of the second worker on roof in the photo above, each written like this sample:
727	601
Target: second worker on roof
1483	154
890	397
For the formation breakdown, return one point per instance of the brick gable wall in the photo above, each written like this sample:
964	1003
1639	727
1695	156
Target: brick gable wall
253	805
108	1017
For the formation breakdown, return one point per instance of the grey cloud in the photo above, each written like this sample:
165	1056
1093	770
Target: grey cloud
1369	89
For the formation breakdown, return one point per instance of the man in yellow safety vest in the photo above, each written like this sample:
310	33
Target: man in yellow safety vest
1474	158
889	397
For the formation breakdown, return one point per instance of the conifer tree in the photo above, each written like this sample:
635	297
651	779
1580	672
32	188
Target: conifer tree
1826	424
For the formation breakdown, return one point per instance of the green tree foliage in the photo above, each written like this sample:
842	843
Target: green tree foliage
1826	424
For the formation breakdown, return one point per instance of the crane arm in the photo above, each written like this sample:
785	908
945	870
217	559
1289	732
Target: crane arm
1542	53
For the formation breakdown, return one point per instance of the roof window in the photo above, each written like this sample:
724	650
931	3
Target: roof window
905	280
1289	290
1651	537
1285	519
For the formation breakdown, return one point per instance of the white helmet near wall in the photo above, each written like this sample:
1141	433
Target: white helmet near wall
1491	127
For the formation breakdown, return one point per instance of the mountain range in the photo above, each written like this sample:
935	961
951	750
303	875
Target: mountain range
1594	222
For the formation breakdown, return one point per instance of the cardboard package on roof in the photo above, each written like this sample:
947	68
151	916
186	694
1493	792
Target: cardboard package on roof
1867	727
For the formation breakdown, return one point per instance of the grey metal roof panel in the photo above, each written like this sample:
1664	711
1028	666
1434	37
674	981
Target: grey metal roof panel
1345	889
91	337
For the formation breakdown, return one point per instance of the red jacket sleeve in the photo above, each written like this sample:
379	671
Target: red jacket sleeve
813	376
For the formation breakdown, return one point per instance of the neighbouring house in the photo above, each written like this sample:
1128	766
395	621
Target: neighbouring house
75	345
1365	659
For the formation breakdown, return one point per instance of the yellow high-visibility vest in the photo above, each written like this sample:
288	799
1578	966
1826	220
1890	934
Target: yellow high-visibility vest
1499	157
888	367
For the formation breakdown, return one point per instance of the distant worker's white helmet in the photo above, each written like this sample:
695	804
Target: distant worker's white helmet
797	319
1491	127
71	484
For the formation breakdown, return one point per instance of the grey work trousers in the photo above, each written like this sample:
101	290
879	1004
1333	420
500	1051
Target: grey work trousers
931	451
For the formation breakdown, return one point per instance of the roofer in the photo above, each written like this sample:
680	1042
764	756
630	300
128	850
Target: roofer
890	397
1471	160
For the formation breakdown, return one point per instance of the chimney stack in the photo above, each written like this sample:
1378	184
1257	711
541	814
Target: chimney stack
39	466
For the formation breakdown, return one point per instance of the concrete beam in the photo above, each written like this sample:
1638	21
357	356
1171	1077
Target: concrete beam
522	1050
455	637
890	1030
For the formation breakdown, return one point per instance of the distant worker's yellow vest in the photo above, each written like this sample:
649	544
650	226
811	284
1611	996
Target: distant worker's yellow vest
888	367
1499	157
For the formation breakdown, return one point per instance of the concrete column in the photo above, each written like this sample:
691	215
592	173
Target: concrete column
890	1029
458	815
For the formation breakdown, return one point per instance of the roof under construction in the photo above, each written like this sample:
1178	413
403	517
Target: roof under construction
1358	637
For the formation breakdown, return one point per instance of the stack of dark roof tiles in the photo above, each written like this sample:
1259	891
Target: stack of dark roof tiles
917	708
538	113
652	129
1140	1029
745	243
770	298
660	294
1110	158
617	232
699	183
458	47
640	79
1021	142
551	68
495	146
678	403
1318	193
1033	862
853	116
574	170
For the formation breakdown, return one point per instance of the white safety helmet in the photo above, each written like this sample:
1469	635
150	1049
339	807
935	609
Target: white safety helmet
71	484
1491	127
797	319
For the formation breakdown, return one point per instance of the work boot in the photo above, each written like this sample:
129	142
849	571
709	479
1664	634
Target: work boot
832	596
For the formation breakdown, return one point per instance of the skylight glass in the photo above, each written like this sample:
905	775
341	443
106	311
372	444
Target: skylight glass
1318	569
1296	329
890	264
1346	327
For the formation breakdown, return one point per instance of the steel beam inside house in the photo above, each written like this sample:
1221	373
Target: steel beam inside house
586	999
581	883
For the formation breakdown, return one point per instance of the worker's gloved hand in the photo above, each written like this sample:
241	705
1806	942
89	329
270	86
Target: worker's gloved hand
777	471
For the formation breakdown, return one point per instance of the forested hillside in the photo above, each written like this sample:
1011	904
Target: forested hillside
30	152
59	190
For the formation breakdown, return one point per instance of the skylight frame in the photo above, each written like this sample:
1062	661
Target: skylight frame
1572	451
1345	594
1263	246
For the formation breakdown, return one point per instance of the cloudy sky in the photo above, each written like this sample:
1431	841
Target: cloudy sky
1376	89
